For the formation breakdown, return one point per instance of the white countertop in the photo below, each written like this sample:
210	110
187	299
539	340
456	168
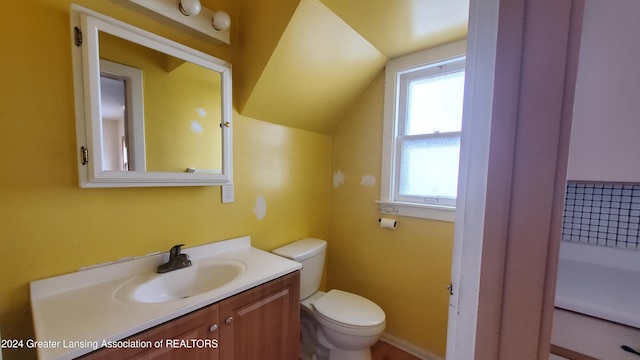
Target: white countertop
73	311
599	281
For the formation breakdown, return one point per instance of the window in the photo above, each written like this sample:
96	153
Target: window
423	118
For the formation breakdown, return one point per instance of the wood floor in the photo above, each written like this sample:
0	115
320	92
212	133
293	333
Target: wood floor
383	351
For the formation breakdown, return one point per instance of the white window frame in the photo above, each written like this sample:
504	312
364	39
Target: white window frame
394	70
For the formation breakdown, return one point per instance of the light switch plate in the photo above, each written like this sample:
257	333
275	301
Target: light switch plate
227	193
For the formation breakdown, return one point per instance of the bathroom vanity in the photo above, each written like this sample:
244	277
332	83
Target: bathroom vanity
233	302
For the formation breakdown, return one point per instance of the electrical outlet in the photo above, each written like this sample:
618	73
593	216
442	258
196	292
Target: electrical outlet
227	193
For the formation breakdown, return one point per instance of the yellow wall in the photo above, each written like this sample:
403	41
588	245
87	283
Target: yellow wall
406	270
49	226
257	17
196	88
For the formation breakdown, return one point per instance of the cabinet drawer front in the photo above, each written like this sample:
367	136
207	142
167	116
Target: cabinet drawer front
185	338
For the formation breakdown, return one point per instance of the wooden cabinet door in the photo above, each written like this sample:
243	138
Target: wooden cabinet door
194	336
262	323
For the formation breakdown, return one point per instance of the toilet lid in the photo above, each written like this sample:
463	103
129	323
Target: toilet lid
349	308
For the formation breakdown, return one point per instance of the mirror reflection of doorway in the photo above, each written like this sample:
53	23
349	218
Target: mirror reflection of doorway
122	120
114	138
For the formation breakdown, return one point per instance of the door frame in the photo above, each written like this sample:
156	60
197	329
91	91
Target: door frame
521	71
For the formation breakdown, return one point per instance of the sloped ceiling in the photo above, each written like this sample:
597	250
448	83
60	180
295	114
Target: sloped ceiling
312	62
400	27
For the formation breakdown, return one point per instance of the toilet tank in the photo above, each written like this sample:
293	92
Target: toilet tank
310	253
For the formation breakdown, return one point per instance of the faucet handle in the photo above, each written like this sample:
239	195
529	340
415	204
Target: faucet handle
175	250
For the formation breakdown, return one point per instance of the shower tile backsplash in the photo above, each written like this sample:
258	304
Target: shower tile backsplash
606	214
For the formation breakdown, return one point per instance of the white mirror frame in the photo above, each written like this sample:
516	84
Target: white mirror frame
86	71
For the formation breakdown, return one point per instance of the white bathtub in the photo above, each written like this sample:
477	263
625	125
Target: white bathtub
597	300
599	281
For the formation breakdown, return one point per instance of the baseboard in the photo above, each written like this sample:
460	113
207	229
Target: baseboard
409	347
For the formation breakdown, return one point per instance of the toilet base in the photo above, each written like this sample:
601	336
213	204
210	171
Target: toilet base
310	347
337	354
314	346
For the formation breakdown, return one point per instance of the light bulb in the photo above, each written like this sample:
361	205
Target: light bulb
190	7
221	20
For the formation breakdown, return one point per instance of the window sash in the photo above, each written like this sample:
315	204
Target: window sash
404	79
428	199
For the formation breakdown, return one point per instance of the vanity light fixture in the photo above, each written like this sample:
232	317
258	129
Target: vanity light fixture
220	21
190	13
189	7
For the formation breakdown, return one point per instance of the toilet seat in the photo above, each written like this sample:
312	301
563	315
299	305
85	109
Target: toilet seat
349	310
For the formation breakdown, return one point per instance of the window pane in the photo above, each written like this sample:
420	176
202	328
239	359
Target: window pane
429	167
434	104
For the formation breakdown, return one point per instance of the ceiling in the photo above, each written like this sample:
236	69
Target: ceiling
305	63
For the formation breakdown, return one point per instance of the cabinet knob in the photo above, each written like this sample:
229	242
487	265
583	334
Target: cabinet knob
213	328
229	320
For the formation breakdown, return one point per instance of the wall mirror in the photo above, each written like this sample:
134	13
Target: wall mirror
149	111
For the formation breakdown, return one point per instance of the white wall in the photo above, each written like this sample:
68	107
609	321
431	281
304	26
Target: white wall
605	135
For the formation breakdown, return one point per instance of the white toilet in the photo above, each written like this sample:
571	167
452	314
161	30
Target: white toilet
335	325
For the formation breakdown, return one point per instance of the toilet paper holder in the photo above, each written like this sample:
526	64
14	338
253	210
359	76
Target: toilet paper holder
388	223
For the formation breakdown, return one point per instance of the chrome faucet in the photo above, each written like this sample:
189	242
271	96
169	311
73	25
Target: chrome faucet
176	260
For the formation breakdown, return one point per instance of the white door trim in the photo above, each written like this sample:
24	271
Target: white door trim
521	64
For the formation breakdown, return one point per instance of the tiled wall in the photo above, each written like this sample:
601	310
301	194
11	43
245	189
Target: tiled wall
605	214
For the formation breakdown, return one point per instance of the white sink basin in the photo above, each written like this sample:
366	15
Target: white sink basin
180	284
